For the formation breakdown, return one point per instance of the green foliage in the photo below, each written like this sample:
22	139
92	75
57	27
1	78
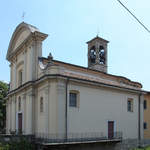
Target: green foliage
3	93
146	148
4	147
23	144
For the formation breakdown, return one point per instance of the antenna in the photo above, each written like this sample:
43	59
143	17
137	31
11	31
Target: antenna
23	16
97	31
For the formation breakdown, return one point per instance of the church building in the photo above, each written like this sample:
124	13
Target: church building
49	97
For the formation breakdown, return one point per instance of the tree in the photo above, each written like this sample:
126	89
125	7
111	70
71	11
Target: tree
3	92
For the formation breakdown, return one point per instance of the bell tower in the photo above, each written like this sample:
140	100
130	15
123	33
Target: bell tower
97	54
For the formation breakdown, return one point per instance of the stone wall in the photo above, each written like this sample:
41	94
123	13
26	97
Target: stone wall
124	145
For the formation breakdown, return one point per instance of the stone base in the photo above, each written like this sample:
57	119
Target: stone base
123	145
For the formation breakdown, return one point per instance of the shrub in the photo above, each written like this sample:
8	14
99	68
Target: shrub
23	144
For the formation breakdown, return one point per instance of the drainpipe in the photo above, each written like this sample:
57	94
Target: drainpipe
66	113
139	120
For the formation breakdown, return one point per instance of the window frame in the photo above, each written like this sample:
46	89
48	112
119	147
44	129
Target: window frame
145	104
77	99
130	105
145	125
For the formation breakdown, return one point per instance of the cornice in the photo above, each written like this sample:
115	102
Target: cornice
32	84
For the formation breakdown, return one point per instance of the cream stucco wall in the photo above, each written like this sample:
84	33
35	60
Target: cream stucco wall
97	106
100	105
47	121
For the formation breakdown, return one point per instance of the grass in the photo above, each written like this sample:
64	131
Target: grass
146	148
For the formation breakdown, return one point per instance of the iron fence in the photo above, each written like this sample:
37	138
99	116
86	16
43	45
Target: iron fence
76	137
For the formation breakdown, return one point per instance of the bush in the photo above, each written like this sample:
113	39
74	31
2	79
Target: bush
24	144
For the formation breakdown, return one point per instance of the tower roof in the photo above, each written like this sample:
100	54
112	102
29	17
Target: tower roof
98	38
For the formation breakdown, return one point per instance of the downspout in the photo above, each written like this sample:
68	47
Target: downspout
66	113
139	120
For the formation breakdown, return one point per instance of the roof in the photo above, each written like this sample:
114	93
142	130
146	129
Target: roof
94	75
98	38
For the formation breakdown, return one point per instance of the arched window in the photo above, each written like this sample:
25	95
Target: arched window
41	104
92	55
19	103
101	55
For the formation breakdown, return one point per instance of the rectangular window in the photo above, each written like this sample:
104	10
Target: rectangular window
145	104
145	125
130	105
73	99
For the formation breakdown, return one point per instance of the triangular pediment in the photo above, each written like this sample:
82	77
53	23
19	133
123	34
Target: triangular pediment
97	38
21	33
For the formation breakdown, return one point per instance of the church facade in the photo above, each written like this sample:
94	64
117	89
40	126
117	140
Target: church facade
48	96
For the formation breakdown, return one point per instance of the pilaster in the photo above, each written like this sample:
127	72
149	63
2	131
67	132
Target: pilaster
141	116
15	74
24	112
29	114
97	52
13	115
61	106
10	113
7	117
46	93
25	66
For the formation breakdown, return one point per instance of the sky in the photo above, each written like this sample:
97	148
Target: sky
71	23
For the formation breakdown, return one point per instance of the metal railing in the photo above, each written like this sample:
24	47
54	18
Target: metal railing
76	137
